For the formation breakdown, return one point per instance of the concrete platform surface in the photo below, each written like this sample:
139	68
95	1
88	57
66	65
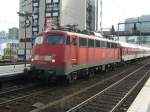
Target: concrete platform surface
142	101
10	70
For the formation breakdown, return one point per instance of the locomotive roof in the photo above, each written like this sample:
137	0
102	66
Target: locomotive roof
98	37
122	44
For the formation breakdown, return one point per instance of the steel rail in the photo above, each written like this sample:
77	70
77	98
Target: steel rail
15	89
129	92
79	92
74	109
7	94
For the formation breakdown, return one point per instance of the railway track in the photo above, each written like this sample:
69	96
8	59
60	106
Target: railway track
113	96
63	98
69	101
12	93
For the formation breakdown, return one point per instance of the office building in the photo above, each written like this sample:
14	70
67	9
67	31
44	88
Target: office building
142	25
3	35
52	14
13	33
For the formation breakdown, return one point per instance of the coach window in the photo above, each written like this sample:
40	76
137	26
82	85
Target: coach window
102	44
108	45
67	40
97	42
90	43
115	45
112	45
82	42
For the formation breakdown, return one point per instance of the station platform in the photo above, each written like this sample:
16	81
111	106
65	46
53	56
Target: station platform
142	101
11	71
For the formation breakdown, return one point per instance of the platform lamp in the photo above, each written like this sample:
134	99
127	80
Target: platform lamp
26	24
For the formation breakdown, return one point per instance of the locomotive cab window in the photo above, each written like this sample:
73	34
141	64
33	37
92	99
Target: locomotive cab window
55	39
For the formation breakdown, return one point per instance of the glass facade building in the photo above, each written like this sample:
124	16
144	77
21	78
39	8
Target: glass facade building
141	26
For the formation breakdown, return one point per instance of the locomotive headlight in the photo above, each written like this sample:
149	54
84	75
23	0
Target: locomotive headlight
50	59
32	59
53	60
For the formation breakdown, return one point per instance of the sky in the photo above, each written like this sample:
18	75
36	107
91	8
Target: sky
8	14
114	11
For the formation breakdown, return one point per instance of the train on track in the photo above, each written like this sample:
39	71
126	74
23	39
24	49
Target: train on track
68	55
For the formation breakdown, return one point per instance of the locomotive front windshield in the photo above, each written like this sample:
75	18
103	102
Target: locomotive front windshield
55	39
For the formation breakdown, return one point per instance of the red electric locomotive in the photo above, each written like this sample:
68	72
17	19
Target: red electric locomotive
68	55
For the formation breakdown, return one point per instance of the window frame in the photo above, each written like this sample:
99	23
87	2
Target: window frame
97	43
103	44
91	43
83	44
47	40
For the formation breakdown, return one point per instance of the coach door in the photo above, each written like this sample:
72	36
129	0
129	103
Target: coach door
74	50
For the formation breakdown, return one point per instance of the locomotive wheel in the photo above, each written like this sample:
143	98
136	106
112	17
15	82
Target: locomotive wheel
70	79
106	69
75	76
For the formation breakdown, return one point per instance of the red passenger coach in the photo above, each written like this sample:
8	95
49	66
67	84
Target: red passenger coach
131	52
68	55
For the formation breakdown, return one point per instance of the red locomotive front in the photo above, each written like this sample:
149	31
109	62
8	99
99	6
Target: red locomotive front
62	54
48	54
